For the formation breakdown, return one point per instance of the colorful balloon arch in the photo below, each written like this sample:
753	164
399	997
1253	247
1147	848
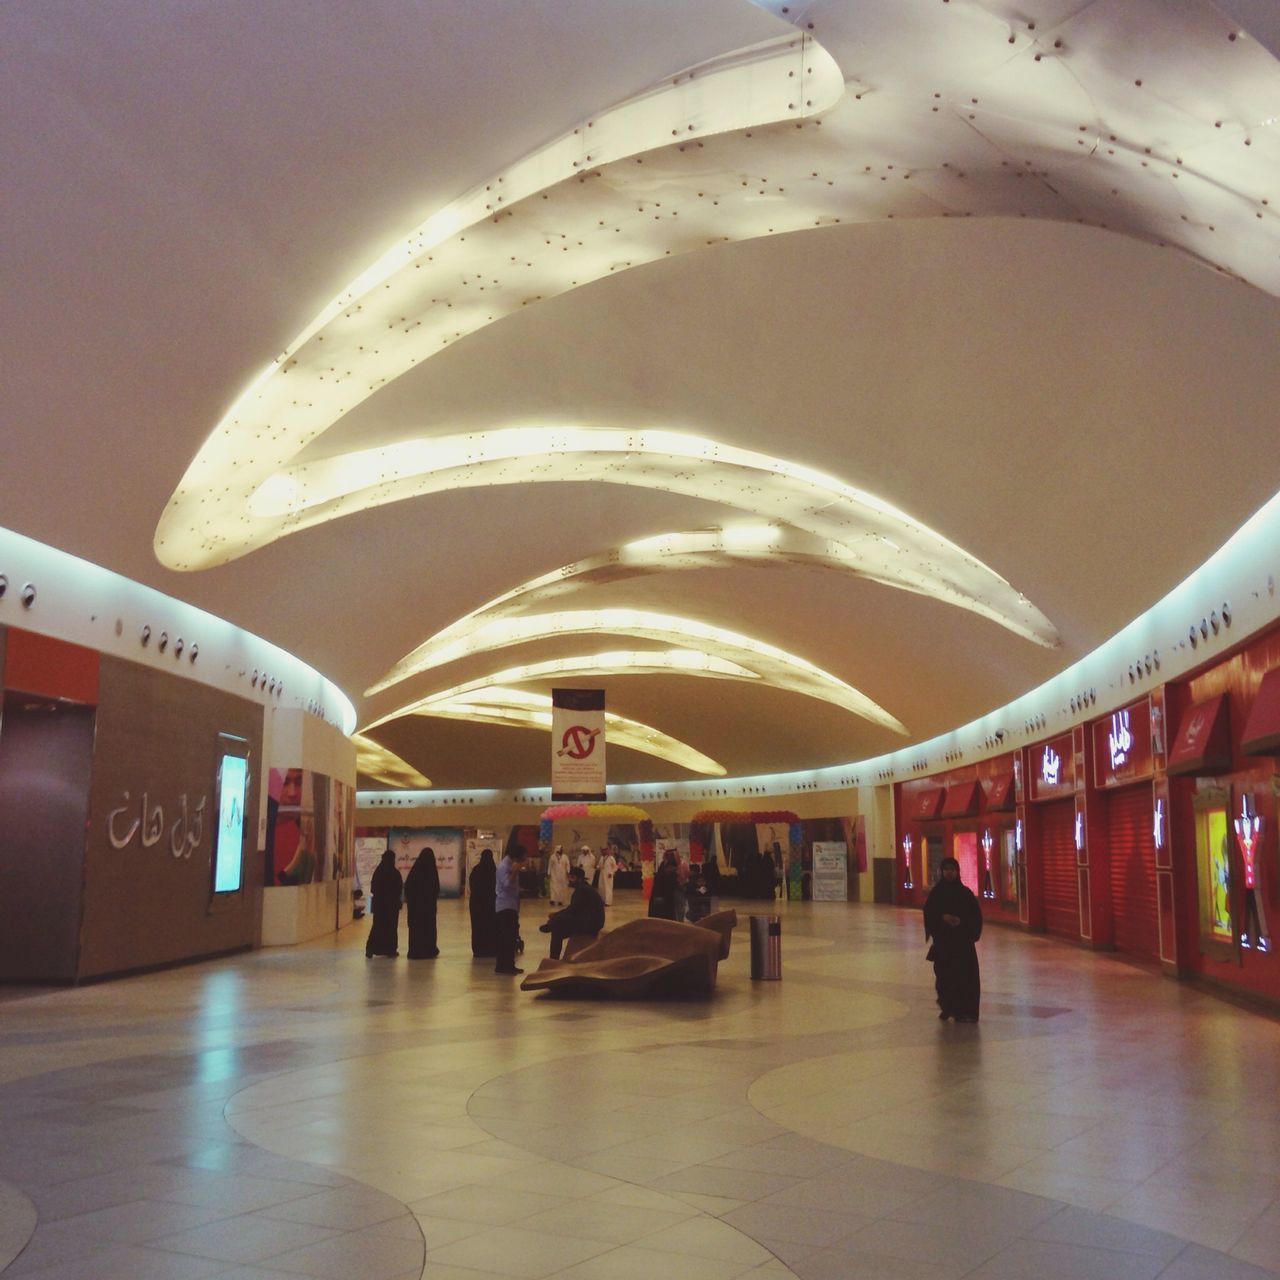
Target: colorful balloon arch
605	812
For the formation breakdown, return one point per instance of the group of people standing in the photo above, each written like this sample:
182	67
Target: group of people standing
494	904
681	891
952	915
420	892
598	872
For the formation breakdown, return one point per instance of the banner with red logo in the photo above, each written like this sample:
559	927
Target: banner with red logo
577	744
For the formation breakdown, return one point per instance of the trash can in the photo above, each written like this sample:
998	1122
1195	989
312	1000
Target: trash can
766	947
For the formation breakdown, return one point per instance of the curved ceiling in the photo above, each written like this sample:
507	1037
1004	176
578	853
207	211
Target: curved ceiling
956	295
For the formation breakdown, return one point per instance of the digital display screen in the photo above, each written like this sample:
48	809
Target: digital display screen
233	784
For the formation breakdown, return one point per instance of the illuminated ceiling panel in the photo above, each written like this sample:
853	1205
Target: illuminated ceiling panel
1002	117
775	666
525	709
594	665
375	761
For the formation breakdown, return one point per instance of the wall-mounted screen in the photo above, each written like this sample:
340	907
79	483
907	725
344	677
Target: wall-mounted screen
228	849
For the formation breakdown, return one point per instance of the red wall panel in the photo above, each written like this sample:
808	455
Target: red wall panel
1058	859
1132	854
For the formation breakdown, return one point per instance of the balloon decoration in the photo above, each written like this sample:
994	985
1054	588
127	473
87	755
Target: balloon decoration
604	813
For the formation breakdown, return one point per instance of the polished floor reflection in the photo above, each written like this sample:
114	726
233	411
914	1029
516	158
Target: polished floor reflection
308	1112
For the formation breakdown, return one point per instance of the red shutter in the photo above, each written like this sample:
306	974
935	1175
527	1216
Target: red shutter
1133	871
1058	857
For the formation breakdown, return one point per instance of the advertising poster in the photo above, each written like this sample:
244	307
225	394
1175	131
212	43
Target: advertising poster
446	842
310	820
830	871
577	744
292	854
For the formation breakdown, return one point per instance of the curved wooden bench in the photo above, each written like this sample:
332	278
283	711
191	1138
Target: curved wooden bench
641	956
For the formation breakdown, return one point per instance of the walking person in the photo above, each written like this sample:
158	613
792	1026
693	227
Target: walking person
506	906
558	877
386	886
953	920
421	896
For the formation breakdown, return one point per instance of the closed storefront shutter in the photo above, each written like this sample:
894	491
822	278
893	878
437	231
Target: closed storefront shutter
1058	854
1132	847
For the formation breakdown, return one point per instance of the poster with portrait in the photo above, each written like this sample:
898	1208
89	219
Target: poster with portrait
292	853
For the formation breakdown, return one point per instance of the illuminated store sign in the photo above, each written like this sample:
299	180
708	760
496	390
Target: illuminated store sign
1079	837
1120	739
1159	823
1122	748
1050	767
906	853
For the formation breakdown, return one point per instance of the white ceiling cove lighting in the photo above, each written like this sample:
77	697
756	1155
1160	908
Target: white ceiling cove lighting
375	761
1018	119
530	710
776	667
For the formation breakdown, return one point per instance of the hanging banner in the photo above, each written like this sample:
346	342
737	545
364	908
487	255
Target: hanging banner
577	744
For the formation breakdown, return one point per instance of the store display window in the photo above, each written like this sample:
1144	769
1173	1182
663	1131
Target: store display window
1214	870
1009	866
965	851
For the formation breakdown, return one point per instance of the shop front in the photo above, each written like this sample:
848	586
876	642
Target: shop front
1126	752
1222	762
1057	867
967	814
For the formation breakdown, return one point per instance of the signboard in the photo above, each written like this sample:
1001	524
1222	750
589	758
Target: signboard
577	744
1052	769
1122	746
445	842
228	848
830	871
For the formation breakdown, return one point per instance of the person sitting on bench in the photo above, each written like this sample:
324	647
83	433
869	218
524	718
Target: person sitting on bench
583	917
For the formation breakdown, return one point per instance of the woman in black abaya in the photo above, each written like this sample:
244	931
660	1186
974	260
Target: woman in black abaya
483	881
386	886
421	893
953	920
666	880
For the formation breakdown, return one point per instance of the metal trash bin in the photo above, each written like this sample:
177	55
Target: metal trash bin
766	948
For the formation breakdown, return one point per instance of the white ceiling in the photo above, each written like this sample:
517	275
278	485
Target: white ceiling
1086	412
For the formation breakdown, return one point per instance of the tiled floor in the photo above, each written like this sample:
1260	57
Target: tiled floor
308	1112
